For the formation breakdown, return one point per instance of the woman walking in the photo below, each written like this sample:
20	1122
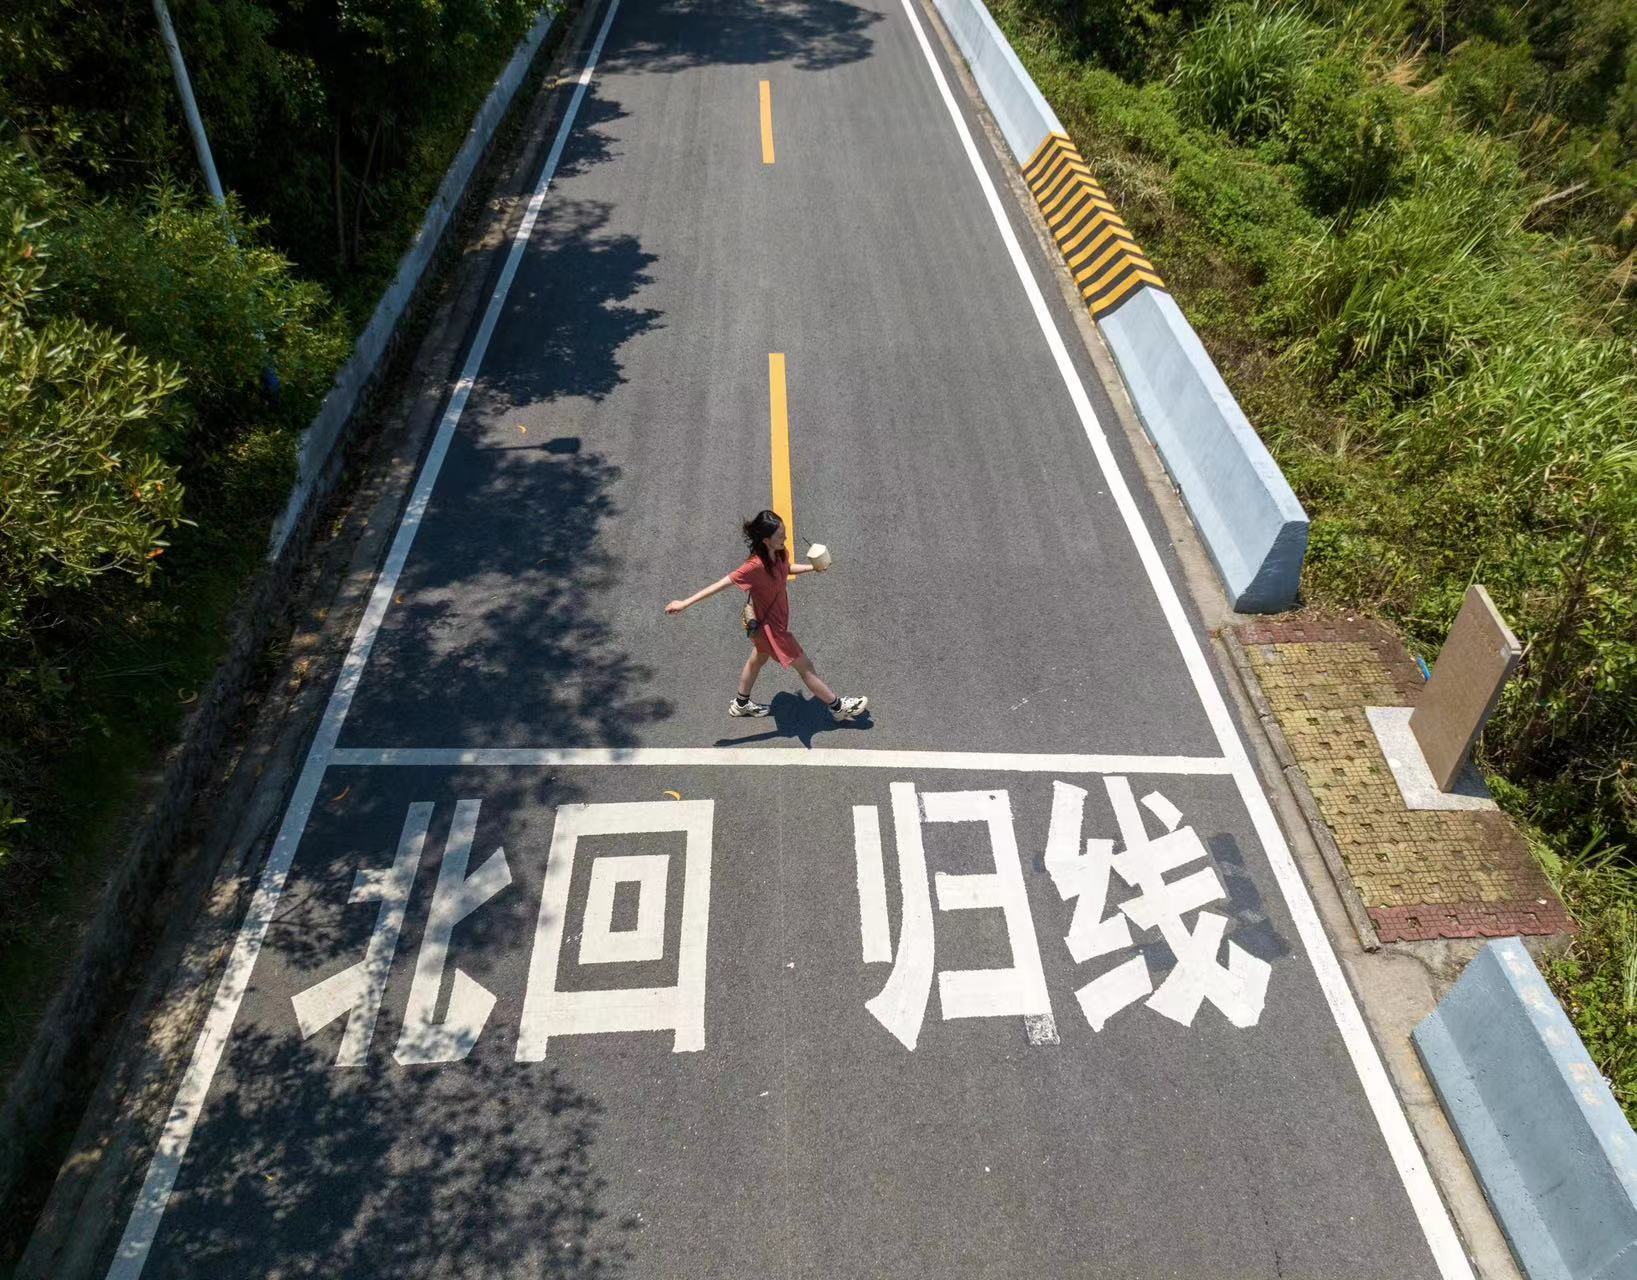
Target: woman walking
763	576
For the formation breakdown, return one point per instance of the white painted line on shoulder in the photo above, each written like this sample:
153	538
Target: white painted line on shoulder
134	1245
772	757
1429	1207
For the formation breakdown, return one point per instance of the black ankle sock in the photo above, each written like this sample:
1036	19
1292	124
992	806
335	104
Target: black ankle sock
741	699
836	705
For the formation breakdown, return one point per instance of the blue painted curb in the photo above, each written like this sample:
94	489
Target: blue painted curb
1249	517
1549	1144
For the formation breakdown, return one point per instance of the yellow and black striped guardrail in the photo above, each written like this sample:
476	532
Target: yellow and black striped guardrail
1108	266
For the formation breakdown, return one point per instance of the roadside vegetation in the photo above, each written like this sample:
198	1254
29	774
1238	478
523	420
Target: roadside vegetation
1407	232
143	449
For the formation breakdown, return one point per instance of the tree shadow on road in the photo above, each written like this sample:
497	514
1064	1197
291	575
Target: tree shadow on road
496	633
811	35
305	1170
565	320
588	144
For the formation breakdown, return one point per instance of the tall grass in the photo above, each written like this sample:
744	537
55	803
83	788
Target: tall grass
1399	300
1596	978
1239	70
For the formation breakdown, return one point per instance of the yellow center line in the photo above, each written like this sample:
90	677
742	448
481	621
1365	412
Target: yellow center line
779	407
767	123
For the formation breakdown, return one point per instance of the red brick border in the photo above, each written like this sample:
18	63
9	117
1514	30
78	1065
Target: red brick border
1470	920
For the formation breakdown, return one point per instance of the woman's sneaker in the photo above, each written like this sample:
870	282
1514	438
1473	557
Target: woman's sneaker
747	708
850	708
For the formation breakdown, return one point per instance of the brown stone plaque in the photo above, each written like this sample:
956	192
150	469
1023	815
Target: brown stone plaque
1479	655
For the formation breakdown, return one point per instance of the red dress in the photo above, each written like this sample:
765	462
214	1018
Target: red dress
772	605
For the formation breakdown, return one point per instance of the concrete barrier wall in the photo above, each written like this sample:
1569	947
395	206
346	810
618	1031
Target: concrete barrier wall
328	426
1023	114
1546	1138
1250	520
1107	263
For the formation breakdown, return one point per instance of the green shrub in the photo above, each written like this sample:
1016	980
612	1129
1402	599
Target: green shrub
1491	85
1127	36
1344	136
83	491
200	291
1243	204
1240	69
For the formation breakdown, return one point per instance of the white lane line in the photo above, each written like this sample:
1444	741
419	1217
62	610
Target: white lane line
1429	1208
140	1229
772	757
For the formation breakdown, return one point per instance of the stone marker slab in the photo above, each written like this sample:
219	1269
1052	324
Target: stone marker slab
1467	679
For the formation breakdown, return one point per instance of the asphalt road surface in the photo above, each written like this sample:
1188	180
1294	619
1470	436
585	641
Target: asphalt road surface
556	970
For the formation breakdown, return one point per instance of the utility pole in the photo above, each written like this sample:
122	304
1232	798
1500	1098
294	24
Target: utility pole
201	143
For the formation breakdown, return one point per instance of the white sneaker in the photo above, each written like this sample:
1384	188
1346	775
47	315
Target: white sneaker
851	708
737	708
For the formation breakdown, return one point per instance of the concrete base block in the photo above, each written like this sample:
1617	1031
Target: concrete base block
1410	770
1549	1144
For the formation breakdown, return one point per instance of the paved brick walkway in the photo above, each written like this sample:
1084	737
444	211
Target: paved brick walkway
1461	874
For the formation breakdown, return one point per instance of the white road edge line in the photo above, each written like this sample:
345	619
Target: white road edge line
142	1226
770	757
1442	1239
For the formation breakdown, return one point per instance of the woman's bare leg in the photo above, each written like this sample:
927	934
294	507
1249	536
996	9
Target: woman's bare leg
753	668
811	678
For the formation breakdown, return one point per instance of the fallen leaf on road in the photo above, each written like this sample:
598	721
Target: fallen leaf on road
336	799
675	795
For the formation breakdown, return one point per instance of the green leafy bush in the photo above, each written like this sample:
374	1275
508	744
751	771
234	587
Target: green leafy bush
134	416
1127	36
1240	69
1491	84
1344	136
319	115
83	490
202	291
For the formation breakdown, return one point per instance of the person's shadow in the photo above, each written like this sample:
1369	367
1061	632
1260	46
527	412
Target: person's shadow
796	716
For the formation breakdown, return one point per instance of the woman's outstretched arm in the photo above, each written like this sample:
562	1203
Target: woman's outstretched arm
677	606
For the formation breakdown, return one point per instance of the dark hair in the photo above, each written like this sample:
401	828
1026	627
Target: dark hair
758	529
